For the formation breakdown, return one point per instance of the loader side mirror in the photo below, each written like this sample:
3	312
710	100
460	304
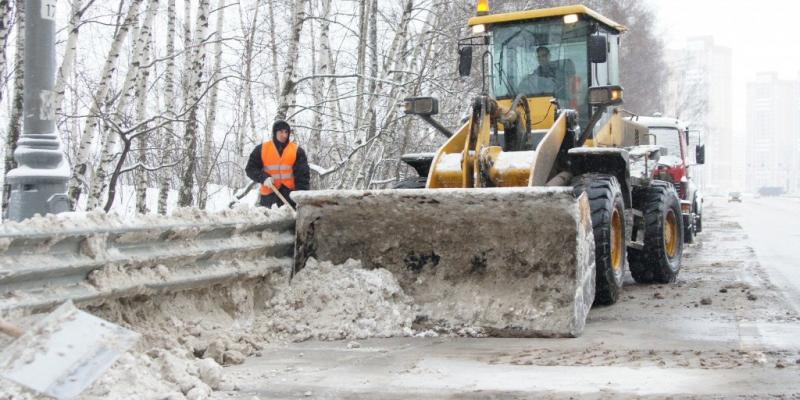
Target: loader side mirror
464	61
424	106
598	49
700	154
603	96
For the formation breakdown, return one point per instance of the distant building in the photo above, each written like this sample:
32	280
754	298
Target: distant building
773	133
702	95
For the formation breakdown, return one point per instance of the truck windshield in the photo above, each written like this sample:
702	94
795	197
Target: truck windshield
542	58
669	138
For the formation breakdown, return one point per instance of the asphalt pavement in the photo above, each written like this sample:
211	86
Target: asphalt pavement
773	228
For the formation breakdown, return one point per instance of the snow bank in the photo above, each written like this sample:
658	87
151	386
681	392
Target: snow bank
187	336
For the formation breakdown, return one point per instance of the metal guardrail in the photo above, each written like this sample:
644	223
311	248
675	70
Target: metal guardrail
47	260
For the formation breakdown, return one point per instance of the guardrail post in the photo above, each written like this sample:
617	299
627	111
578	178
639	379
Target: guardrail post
39	183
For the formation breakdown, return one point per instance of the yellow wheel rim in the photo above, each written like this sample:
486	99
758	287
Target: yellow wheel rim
671	234
616	240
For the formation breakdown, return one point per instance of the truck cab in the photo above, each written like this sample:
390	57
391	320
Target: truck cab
675	164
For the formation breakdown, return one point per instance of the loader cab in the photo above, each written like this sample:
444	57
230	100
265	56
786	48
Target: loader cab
555	53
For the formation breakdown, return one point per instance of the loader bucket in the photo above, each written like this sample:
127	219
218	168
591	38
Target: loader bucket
514	261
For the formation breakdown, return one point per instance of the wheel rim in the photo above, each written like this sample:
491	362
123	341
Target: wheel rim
671	234
616	240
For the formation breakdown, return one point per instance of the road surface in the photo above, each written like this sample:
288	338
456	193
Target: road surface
773	227
728	328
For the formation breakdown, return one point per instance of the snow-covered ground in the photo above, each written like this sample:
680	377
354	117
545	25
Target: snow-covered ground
725	329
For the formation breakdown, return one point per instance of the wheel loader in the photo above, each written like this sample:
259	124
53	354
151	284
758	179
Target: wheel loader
534	208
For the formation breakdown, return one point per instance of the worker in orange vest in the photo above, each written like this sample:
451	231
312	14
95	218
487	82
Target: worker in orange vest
281	162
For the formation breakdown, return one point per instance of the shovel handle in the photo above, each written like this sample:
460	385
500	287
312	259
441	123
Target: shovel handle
280	196
9	329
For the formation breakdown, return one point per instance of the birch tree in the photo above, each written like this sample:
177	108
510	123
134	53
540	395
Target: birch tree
363	25
5	20
247	107
288	84
142	139
321	88
186	196
273	46
68	60
110	141
170	101
81	164
208	137
15	119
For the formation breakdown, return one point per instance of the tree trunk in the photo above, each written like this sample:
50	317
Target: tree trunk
373	51
188	52
248	84
15	120
273	47
186	195
68	62
288	85
142	139
208	137
5	20
169	94
84	148
361	62
315	144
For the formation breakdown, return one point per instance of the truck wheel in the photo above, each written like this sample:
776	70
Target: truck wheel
688	229
660	259
608	226
698	222
417	182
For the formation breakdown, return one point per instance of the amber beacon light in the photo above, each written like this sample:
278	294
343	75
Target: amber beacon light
483	7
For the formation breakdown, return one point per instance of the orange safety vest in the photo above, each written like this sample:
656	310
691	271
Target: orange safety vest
279	167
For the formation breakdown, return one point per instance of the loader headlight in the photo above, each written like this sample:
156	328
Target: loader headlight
605	95
421	105
570	18
478	29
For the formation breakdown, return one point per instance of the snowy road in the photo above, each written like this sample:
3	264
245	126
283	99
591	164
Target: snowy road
725	330
773	225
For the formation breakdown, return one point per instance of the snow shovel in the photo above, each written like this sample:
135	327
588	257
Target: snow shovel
280	196
64	352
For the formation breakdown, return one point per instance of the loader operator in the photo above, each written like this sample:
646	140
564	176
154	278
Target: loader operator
550	76
280	162
546	69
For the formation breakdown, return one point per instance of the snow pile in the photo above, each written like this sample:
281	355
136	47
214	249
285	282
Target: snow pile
187	336
509	160
158	374
161	373
330	302
449	162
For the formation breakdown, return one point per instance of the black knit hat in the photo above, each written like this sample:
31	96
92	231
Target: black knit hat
280	124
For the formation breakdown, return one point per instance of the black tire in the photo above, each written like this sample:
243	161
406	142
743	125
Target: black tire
608	225
417	182
660	259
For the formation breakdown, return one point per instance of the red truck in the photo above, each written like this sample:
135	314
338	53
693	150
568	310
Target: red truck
675	166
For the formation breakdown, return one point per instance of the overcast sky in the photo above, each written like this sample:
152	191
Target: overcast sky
763	35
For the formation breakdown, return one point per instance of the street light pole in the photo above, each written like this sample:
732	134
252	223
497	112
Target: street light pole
39	183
